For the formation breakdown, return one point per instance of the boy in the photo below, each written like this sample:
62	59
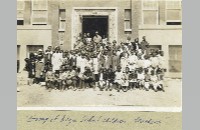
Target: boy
49	79
56	80
102	78
147	80
111	78
88	77
132	80
118	78
125	79
140	77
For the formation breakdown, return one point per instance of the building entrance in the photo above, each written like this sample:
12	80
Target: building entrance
90	24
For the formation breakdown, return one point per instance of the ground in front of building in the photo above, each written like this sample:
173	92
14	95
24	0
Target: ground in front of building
37	96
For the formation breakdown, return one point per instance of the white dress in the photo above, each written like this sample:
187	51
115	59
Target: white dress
95	65
56	61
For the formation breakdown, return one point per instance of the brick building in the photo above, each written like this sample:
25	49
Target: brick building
41	23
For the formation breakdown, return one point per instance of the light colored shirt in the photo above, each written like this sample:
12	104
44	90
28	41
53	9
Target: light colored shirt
97	39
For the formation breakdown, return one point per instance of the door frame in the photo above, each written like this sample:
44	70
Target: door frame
78	12
103	16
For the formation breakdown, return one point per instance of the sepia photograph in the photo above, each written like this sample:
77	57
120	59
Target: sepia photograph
107	53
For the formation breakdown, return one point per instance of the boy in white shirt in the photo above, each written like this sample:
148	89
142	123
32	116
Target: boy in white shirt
118	78
141	77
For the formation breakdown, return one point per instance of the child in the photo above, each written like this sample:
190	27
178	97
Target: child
56	80
111	77
118	78
49	79
154	80
147	80
69	76
132	80
125	80
88	77
63	77
132	60
95	66
102	78
74	78
140	77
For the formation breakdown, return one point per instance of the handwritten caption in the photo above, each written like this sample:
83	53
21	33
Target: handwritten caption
68	120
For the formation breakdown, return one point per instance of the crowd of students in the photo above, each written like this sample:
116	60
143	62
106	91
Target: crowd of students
98	64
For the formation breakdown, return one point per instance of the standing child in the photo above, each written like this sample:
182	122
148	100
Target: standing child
118	78
140	77
125	79
49	79
111	78
56	80
102	78
154	80
147	80
133	80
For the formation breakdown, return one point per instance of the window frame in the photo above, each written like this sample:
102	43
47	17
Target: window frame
176	60
130	20
61	21
180	11
43	9
32	4
22	9
157	11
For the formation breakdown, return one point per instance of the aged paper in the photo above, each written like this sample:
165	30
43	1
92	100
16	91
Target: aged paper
99	64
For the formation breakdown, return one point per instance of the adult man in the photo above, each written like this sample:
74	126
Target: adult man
97	38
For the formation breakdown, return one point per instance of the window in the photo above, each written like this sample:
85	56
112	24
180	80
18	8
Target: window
127	19
20	4
18	52
39	12
62	19
20	22
175	58
150	12
33	49
18	57
173	9
154	48
20	12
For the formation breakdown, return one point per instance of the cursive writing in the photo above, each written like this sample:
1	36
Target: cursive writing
67	120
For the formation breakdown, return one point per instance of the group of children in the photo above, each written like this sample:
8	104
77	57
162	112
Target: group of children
103	65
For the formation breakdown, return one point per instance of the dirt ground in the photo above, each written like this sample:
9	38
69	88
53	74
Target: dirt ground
38	96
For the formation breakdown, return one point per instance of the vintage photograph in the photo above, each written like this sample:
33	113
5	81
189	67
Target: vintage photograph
99	53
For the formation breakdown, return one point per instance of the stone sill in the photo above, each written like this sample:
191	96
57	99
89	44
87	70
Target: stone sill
34	27
160	27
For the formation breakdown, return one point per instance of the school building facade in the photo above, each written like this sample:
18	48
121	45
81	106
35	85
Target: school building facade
41	23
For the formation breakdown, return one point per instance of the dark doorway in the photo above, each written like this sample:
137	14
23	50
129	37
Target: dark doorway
91	24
